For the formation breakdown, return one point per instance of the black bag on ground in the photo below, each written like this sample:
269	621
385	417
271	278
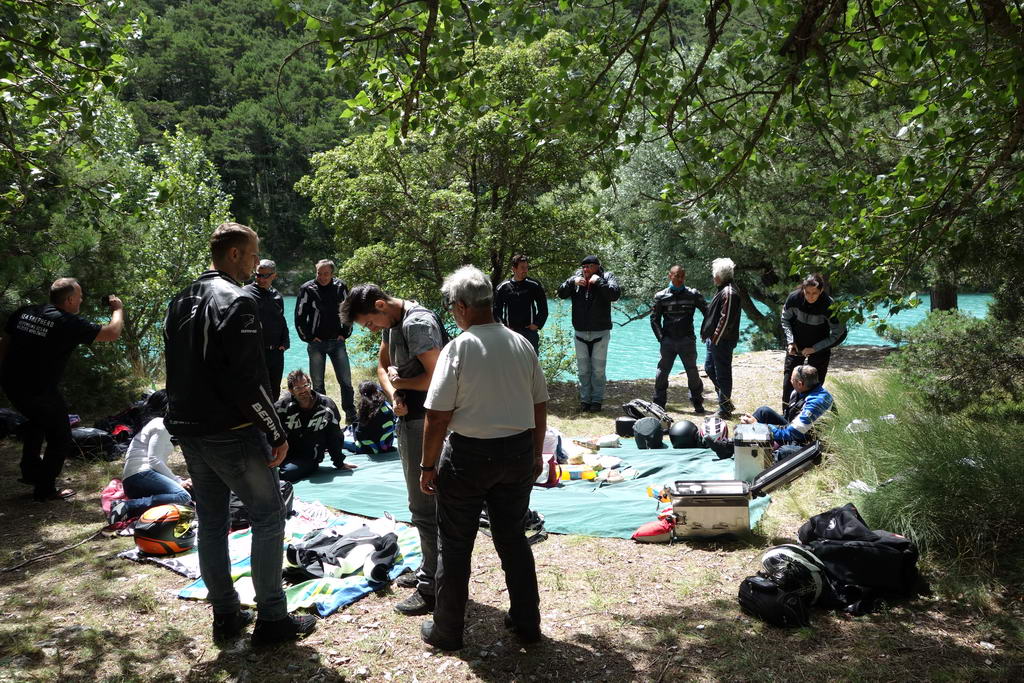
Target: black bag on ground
11	422
639	409
240	514
865	565
94	443
761	597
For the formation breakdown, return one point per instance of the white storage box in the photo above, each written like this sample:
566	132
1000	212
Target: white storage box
712	508
753	451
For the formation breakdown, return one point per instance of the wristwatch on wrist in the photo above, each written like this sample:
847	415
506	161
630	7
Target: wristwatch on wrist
424	468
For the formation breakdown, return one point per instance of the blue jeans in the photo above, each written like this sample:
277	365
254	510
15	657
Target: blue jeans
334	349
766	415
718	365
591	359
473	473
149	488
236	460
297	470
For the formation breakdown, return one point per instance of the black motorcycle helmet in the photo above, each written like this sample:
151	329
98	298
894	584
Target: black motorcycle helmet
684	434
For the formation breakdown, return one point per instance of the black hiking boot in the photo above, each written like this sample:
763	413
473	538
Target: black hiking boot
227	626
416	605
430	637
407	580
292	627
526	636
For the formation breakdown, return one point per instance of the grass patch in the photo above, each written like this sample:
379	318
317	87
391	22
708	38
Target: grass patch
950	483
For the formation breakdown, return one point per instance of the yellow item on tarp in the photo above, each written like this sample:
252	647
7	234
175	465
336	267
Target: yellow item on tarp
577	472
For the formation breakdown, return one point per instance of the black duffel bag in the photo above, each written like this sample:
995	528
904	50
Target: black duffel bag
864	564
92	443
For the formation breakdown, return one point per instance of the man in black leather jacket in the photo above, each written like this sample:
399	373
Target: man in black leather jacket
520	303
219	407
672	322
592	290
318	323
275	329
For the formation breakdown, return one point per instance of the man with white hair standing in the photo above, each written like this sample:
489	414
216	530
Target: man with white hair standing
721	332
488	390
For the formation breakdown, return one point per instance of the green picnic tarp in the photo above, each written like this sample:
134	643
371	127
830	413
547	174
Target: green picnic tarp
576	507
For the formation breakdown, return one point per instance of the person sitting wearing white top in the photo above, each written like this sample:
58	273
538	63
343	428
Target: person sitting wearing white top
147	480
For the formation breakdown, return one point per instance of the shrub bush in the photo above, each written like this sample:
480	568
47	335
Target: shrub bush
957	362
950	483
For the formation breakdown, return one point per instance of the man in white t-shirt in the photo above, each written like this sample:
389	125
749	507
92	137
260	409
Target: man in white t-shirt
488	391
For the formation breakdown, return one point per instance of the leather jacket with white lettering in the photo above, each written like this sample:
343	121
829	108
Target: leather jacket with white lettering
216	374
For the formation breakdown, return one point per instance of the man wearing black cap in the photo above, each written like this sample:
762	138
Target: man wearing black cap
592	290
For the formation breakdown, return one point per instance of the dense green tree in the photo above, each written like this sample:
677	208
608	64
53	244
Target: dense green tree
56	60
920	99
230	73
504	183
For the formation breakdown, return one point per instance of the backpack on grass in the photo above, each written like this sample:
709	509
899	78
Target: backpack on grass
639	409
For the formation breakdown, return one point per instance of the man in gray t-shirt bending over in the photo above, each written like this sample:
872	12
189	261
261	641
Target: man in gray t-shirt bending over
411	339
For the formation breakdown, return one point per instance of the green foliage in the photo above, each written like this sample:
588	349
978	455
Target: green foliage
951	483
143	236
230	74
557	346
871	140
958	362
411	213
56	60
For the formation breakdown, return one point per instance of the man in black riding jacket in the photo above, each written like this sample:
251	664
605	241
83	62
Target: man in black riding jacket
313	424
220	409
520	303
672	322
318	323
592	290
275	328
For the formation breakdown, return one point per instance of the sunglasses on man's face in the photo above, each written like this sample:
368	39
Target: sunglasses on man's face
264	275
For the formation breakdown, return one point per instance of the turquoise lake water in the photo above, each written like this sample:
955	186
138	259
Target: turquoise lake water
633	351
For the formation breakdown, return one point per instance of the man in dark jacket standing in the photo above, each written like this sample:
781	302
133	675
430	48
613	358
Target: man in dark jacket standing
721	332
275	329
520	303
592	290
219	407
672	322
318	322
37	342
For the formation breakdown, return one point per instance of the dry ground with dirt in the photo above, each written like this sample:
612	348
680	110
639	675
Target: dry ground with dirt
612	610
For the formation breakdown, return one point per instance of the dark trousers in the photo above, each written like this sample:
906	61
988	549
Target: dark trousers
766	415
686	350
275	368
47	416
294	470
532	336
718	365
497	473
818	360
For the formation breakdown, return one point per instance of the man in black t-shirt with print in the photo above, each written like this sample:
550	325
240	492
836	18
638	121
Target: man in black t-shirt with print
37	342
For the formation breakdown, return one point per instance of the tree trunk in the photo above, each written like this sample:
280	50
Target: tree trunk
766	323
943	295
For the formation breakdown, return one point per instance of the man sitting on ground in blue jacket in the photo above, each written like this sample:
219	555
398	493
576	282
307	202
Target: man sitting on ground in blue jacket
809	402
